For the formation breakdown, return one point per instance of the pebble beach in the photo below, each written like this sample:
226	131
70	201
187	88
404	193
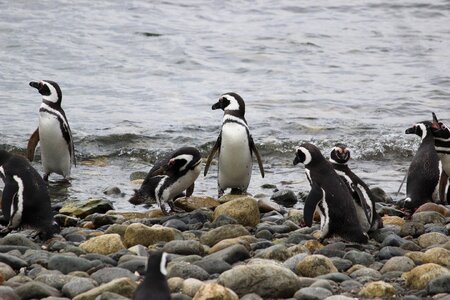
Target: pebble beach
235	247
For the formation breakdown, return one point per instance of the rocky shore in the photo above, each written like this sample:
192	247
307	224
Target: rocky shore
236	247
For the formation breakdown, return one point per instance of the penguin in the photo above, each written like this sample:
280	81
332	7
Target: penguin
235	146
154	286
362	195
53	132
328	193
441	134
25	199
169	177
422	182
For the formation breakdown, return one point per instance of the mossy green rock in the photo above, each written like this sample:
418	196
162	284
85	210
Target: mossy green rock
82	209
377	289
419	277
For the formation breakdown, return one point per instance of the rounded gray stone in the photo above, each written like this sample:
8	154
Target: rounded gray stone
439	285
359	257
77	286
35	289
8	293
312	293
184	247
66	264
186	270
106	275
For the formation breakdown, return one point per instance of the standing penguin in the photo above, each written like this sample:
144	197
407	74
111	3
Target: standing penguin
422	183
154	286
235	146
362	195
169	177
330	195
441	134
25	199
57	150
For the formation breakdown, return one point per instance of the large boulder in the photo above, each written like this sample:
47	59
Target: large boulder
420	276
211	237
140	234
82	209
104	244
244	210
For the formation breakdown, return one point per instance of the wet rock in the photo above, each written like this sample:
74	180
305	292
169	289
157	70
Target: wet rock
8	293
335	277
377	289
211	237
393	240
438	256
100	220
231	254
277	252
136	264
82	209
291	263
265	205
215	291
420	276
259	279
121	286
341	264
413	229
366	274
433	238
35	289
213	265
312	293
66	264
438	285
398	263
77	286
136	234
297	237
393	220
65	220
103	244
430	206
113	191
13	261
192	203
427	217
138	175
242	240
186	270
18	239
177	224
388	252
350	286
286	198
54	280
358	257
191	286
380	195
244	210
184	247
106	275
315	265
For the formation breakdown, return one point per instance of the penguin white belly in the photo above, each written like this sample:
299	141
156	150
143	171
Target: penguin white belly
182	184
54	149
445	160
235	159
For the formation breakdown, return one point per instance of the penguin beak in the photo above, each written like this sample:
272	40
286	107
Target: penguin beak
216	106
410	130
34	84
435	124
296	160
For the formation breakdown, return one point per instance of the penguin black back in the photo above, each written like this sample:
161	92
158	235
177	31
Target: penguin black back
329	193
423	173
25	199
154	286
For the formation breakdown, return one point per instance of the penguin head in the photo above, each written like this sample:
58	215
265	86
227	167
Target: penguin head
157	264
49	90
340	154
230	102
4	156
439	129
183	159
307	154
421	129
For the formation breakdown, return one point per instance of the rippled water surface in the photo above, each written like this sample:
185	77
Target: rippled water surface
139	78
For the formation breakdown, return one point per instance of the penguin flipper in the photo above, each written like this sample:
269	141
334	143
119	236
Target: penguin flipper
212	153
258	157
190	190
314	197
32	143
442	185
364	206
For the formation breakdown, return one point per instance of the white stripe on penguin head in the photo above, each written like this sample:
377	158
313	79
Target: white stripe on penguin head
53	97
307	154
234	104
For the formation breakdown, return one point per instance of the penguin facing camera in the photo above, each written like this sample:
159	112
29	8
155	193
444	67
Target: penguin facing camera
330	195
235	147
25	199
441	134
422	183
169	178
154	286
53	132
362	195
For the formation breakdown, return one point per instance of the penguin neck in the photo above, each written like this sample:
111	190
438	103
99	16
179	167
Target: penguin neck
235	113
427	137
339	166
54	105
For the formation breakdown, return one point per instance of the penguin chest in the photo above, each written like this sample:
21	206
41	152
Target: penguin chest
54	148
445	160
179	185
235	159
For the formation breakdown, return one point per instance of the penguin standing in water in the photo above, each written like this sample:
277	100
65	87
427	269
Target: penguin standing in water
235	146
330	195
364	200
422	183
154	286
169	178
53	133
441	134
25	199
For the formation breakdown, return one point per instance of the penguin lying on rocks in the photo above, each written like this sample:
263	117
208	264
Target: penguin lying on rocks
169	178
53	133
330	195
362	195
441	134
235	146
25	198
422	183
154	286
